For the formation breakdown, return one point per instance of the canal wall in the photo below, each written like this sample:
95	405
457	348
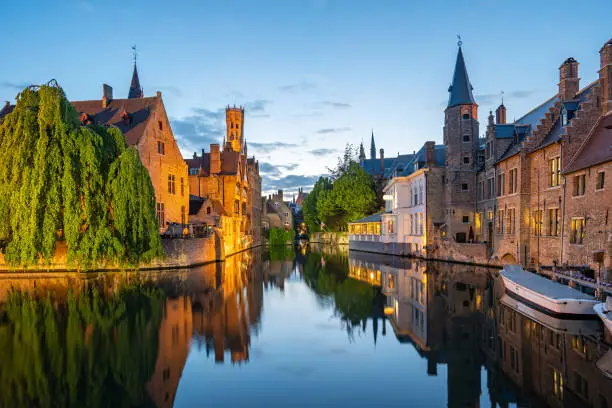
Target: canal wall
178	253
331	238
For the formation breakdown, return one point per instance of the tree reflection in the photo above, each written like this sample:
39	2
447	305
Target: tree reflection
92	349
354	301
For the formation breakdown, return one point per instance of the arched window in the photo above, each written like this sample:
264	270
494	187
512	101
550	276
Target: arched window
466	116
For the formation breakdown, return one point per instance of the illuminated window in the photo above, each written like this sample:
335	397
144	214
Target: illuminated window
478	223
600	180
557	384
579	185
513	182
390	226
577	231
537	222
500	221
554	224
554	172
161	214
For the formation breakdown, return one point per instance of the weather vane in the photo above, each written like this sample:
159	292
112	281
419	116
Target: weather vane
502	97
459	42
134	53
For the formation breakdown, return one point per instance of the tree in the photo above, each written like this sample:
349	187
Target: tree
309	206
354	193
60	180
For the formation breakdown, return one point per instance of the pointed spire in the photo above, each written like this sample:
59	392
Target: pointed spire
362	155
460	91
372	147
135	88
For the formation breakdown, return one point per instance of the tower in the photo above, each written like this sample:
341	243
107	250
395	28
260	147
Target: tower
569	83
234	118
361	152
135	88
372	148
461	140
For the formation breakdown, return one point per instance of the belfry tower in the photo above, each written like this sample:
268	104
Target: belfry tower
234	117
461	141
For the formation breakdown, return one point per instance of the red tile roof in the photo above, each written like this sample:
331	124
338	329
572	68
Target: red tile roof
596	149
133	125
229	163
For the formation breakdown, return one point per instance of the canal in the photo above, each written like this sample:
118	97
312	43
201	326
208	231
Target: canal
311	327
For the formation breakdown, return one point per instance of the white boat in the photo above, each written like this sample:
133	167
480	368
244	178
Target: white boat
546	294
588	326
604	311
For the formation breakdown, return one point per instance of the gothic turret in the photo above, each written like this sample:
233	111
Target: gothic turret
460	91
135	89
372	148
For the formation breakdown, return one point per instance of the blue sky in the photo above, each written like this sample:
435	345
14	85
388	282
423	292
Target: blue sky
313	74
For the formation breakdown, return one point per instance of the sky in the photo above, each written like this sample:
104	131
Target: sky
313	75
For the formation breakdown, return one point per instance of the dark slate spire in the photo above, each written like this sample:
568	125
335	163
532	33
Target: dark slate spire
460	92
361	152
135	89
372	148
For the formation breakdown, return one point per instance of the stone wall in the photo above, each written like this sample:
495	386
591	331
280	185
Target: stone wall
331	238
466	253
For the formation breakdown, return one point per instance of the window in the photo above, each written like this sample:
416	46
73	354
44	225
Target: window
465	219
577	231
415	196
579	185
554	172
208	210
490	215
501	180
464	187
599	185
182	186
557	384
466	116
478	222
511	220
160	125
537	222
466	138
390	226
500	221
554	225
171	186
491	188
183	215
466	160
581	386
193	172
161	214
512	187
236	207
420	194
237	189
514	359
420	223
161	148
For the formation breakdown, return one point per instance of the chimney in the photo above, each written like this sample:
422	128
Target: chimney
280	195
195	155
569	83
491	122
202	153
215	159
430	156
107	95
605	76
500	115
382	161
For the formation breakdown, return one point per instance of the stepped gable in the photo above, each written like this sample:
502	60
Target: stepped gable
131	116
596	147
581	125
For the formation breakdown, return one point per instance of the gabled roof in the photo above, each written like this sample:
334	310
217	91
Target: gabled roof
132	125
229	163
373	166
460	91
196	203
420	160
596	149
369	218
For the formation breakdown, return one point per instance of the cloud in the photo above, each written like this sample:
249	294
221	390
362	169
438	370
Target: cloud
289	182
275	171
13	85
200	129
298	87
322	152
493	99
333	130
256	106
336	105
270	147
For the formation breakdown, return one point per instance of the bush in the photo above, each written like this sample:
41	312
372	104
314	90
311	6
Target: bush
280	237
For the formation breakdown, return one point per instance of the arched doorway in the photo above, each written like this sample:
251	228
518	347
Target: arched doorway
508	259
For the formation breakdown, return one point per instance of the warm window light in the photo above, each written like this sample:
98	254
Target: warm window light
387	197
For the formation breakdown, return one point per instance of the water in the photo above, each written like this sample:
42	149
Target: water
317	327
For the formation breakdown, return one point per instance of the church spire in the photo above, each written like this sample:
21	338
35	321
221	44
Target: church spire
460	91
361	152
372	147
135	89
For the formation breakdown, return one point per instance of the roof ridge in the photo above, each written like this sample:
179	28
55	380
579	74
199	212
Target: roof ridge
586	140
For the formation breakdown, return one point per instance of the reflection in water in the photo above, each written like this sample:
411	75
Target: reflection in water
134	340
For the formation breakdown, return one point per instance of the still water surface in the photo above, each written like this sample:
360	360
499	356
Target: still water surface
317	327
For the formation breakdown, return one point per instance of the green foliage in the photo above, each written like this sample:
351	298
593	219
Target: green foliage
309	206
280	237
61	180
354	193
281	253
88	350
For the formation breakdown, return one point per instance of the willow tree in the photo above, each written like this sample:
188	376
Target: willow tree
60	180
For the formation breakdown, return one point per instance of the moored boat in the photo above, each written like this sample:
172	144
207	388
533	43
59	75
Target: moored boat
551	296
604	311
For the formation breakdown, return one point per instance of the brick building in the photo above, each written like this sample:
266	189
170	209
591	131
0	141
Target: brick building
227	178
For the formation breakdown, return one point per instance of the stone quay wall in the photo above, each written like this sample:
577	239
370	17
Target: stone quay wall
332	238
